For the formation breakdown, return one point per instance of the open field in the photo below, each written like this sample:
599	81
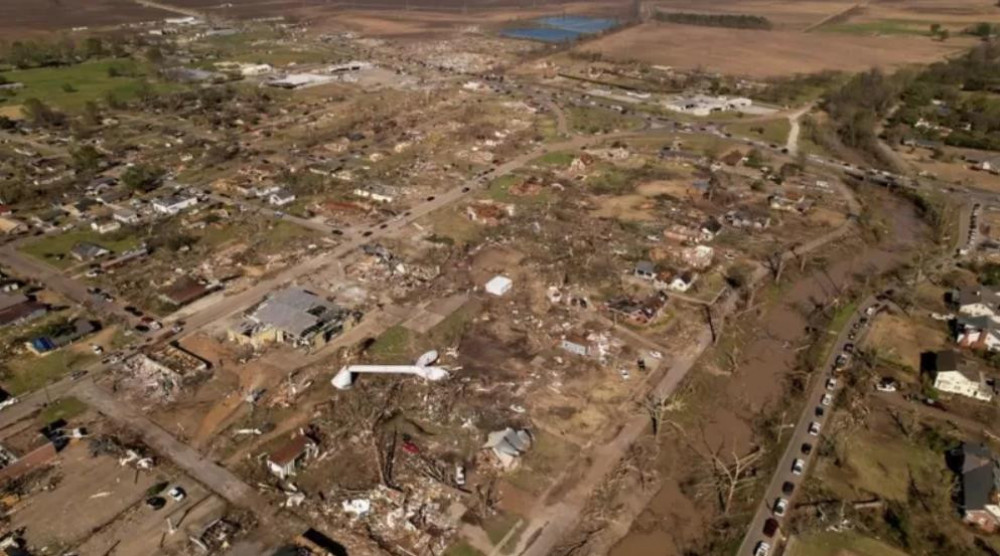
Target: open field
54	249
840	544
783	14
873	463
23	17
70	87
766	53
901	340
914	17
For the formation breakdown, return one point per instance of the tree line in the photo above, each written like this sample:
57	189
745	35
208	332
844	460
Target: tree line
735	21
63	52
954	101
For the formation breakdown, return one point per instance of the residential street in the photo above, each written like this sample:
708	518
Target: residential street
800	436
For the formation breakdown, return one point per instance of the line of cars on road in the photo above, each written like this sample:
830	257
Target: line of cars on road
782	503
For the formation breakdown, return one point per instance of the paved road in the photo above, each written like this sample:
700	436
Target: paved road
800	436
54	279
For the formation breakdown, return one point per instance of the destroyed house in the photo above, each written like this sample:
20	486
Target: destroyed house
294	315
284	461
183	291
509	445
638	312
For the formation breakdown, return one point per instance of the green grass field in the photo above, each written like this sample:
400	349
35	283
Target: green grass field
881	465
64	408
30	372
559	158
838	544
50	248
880	27
774	131
70	87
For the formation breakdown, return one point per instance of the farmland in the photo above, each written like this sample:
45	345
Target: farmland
762	54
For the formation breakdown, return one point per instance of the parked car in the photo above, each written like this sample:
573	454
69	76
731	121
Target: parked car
807	449
780	507
460	475
819	411
788	488
826	400
762	549
177	493
156	502
770	527
886	385
814	428
831	384
798	466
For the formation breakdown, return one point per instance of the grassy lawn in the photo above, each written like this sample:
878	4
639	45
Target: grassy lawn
836	544
499	189
881	465
51	247
772	131
393	345
31	372
548	456
595	120
462	549
499	525
64	408
70	87
400	344
452	226
555	159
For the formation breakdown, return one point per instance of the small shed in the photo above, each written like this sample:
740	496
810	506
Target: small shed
499	285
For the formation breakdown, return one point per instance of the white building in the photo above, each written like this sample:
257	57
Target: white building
174	204
704	105
682	282
379	193
281	198
126	216
499	285
950	377
105	226
576	344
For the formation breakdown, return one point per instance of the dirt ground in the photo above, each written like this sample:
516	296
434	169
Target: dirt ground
98	502
765	53
24	17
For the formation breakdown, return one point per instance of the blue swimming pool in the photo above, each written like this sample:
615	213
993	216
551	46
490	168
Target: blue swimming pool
560	28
